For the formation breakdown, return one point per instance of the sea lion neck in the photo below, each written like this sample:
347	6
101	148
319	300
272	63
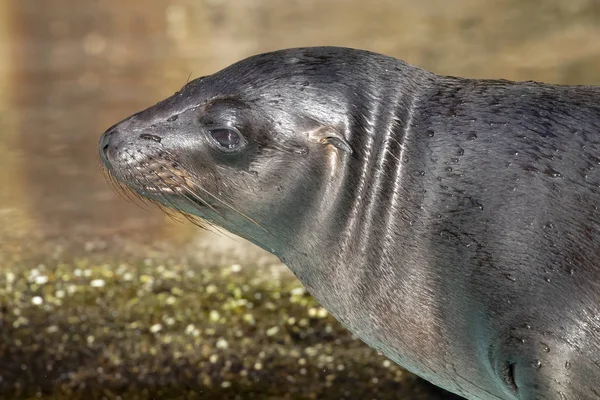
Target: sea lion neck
384	150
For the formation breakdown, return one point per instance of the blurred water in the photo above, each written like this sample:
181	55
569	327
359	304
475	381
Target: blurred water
70	69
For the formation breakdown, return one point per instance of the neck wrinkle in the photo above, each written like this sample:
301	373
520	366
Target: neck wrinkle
366	204
376	177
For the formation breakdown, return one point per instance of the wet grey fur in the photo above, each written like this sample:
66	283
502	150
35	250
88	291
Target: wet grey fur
450	223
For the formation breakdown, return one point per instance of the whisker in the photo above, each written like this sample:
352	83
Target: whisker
127	194
226	203
135	174
172	215
193	219
192	197
131	194
190	217
183	182
117	186
231	207
196	197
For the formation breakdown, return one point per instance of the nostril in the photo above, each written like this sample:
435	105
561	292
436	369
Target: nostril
107	141
147	136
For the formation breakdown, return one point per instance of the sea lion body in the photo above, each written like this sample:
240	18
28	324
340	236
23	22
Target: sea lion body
450	223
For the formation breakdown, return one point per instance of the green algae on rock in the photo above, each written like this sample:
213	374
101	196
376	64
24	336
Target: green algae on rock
169	331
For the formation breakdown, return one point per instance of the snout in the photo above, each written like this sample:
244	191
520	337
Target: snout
134	154
126	143
109	144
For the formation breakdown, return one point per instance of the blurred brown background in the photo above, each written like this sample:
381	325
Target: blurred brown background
69	69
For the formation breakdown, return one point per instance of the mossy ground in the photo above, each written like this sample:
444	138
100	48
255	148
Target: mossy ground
149	330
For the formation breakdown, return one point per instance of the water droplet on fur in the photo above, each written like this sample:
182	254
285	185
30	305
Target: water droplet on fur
430	133
461	152
476	203
510	277
518	339
537	364
552	173
545	347
471	136
567	365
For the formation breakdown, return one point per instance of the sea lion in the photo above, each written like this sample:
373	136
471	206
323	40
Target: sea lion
450	223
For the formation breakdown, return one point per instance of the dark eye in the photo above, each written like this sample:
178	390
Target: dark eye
227	137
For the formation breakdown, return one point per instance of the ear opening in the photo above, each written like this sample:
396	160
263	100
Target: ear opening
328	136
337	142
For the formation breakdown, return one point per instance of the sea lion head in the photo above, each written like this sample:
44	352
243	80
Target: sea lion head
252	148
